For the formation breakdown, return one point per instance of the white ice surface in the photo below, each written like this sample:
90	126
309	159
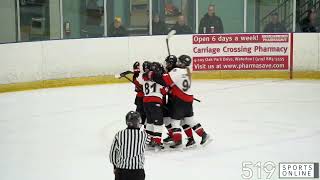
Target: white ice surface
65	133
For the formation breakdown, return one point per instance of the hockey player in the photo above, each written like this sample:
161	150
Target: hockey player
152	103
179	80
139	89
171	63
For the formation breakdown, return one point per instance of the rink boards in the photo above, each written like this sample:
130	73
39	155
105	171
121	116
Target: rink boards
45	64
109	79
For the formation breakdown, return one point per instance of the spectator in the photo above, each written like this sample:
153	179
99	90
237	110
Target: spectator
171	9
210	23
308	24
94	13
93	27
181	27
275	26
116	29
158	26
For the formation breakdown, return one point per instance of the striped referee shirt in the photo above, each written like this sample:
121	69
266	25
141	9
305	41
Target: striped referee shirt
127	149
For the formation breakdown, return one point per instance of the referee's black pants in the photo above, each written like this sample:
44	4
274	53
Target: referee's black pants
127	174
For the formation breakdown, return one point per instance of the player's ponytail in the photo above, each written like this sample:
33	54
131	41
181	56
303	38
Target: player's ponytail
189	73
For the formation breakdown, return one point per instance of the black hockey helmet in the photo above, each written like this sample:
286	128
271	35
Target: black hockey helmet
146	65
172	59
157	67
184	61
171	62
133	119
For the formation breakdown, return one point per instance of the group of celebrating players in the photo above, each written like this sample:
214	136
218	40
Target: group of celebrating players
164	96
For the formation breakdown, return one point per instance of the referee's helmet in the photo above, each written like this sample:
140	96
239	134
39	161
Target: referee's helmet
133	119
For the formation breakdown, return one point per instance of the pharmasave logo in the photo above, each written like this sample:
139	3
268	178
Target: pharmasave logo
275	38
294	170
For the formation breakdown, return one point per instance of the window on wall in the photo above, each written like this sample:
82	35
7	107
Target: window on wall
128	17
271	16
176	14
307	16
34	16
83	18
118	15
39	20
221	16
138	17
8	21
172	10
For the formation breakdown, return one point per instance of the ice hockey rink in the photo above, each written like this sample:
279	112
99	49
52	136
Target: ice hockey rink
65	133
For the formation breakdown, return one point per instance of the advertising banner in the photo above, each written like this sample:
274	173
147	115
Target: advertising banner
241	52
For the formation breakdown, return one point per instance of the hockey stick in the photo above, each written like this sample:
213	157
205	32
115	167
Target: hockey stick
128	79
124	74
196	99
170	34
118	76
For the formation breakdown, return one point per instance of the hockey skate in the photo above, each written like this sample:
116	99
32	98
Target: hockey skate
168	140
150	146
191	143
176	145
158	147
205	139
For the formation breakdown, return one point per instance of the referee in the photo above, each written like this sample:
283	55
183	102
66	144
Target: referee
127	150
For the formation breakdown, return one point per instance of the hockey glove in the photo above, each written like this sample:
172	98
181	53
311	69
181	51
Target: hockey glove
164	91
136	69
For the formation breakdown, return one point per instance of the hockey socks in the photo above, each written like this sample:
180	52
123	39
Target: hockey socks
198	129
188	130
176	135
157	134
157	138
150	135
177	138
149	131
170	130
